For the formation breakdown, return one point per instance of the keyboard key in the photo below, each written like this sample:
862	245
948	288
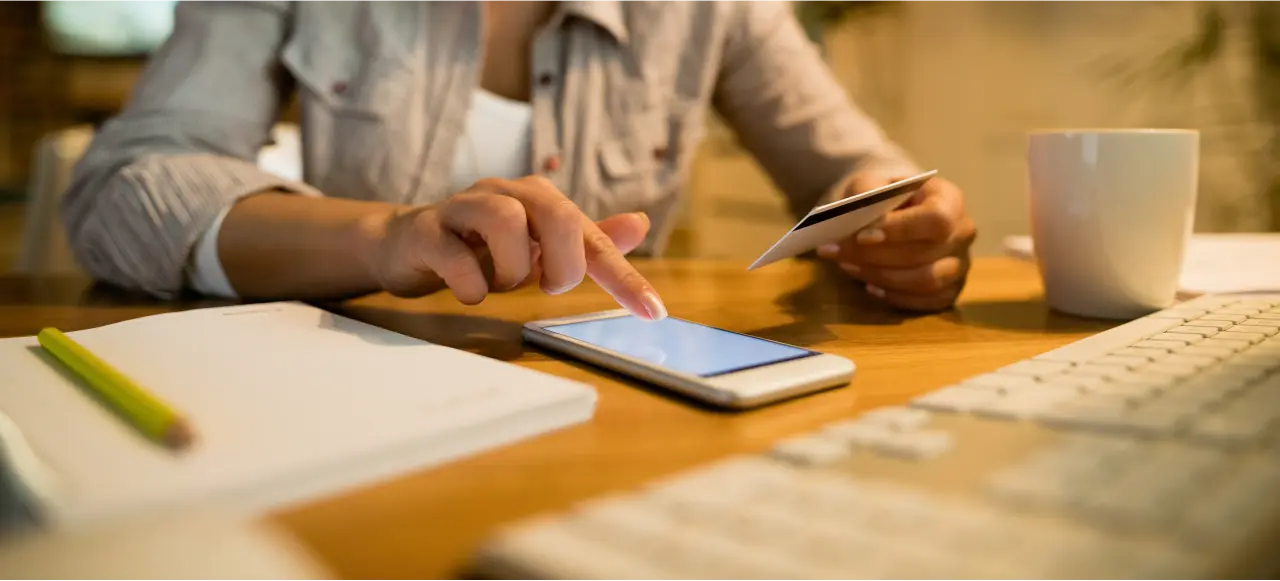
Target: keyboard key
1270	348
1232	344
810	451
1173	370
1162	345
1201	331
732	480
1095	370
999	381
1184	338
1220	316
1227	384
958	398
858	434
1238	309
1129	391
1080	384
902	419
1127	361
1179	312
1193	396
1148	354
1270	316
1234	335
1025	405
1200	350
1071	417
1231	375
1218	325
1258	364
1182	358
916	445
1033	368
1266	327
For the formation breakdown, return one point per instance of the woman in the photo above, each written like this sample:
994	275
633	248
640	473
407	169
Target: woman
477	145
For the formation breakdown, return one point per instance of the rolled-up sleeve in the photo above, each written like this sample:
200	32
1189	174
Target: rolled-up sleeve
184	148
788	110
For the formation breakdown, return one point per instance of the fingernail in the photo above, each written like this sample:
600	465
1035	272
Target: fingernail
851	268
559	291
643	216
828	250
871	236
875	291
653	304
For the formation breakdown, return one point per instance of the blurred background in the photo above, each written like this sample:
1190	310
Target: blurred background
957	83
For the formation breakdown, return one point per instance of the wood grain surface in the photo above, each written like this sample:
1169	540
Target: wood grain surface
427	524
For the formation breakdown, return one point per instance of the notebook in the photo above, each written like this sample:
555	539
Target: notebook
289	402
199	545
1213	263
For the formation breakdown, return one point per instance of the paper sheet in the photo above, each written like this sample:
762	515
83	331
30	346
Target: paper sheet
288	402
1214	263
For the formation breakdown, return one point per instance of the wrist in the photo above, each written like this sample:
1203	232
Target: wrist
369	236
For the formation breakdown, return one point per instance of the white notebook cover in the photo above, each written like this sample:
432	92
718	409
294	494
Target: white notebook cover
289	402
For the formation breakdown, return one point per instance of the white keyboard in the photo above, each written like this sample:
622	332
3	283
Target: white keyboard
1146	451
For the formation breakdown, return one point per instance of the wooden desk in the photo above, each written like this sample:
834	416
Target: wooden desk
426	524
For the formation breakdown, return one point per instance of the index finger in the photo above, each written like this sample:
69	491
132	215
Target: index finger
610	269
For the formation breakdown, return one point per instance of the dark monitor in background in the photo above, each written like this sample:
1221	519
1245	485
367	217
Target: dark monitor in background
107	29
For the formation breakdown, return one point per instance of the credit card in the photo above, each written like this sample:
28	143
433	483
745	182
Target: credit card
841	219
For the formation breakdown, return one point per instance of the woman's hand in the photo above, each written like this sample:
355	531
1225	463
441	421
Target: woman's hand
915	257
520	231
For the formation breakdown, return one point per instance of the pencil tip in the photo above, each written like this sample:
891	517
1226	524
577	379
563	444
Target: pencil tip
179	435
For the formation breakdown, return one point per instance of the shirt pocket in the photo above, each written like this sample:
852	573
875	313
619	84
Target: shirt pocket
353	107
645	155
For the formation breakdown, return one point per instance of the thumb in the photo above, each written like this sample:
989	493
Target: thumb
865	182
626	230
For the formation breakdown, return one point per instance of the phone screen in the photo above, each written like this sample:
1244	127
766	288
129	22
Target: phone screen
679	345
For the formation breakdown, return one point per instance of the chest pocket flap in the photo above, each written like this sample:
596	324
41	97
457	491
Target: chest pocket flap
349	82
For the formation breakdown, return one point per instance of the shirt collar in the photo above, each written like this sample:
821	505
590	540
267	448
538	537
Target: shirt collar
607	14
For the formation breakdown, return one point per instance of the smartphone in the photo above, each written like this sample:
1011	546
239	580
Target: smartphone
715	366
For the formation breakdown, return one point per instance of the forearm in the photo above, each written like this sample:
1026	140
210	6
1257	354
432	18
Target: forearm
279	245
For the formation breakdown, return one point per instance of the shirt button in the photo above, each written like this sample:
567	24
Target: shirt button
659	152
546	79
552	163
339	88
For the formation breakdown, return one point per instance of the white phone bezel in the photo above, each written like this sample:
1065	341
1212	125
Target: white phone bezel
741	389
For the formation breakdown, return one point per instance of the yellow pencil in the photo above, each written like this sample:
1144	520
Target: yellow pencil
147	413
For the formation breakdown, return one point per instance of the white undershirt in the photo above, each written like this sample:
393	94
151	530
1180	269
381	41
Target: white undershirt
494	145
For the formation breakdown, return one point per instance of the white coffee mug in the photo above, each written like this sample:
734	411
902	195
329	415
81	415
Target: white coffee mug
1111	214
